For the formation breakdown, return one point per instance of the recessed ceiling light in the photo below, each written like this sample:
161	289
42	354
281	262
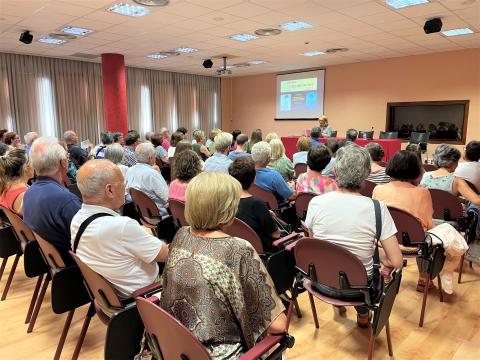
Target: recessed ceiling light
128	10
456	32
314	53
48	40
268	32
72	30
153	2
156	56
185	50
243	37
295	25
257	62
62	36
400	4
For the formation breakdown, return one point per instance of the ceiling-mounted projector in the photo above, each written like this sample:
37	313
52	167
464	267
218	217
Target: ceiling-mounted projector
224	70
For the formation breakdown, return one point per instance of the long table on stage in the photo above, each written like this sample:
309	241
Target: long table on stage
390	146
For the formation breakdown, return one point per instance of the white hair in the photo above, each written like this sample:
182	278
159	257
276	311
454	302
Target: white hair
114	153
46	154
261	153
92	185
223	141
30	137
69	135
144	152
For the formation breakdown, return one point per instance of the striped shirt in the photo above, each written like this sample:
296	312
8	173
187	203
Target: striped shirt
379	177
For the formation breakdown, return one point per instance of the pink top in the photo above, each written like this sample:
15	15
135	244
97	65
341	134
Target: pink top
10	196
177	190
165	144
316	183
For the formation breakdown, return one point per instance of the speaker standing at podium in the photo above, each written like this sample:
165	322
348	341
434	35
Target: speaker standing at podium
324	127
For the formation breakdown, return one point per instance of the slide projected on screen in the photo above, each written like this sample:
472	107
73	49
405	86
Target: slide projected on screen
300	95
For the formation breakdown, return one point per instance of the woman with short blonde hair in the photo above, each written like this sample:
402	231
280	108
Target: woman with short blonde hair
271	136
199	147
279	161
215	273
303	145
324	127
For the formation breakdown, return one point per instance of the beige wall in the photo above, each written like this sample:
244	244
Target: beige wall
356	95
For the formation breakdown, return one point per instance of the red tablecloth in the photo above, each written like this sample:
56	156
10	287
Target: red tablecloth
390	146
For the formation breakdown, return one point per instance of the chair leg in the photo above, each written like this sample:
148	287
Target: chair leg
314	310
371	343
2	268
34	298
63	336
297	308
10	276
38	304
83	332
389	338
460	270
471	265
424	302
440	288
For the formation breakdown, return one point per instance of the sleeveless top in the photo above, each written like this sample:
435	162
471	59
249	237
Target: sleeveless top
10	196
444	183
196	148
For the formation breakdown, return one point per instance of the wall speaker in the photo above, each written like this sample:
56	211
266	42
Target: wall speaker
26	37
207	64
433	26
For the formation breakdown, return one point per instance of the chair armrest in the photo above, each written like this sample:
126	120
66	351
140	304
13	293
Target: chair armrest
153	299
262	347
280	241
290	246
147	289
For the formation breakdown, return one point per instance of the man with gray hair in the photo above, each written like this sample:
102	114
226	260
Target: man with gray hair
29	139
268	179
145	178
114	246
219	162
77	155
48	207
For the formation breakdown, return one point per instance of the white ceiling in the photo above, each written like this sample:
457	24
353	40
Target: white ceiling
369	28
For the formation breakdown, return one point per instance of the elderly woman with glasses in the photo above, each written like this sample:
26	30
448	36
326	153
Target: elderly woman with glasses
215	284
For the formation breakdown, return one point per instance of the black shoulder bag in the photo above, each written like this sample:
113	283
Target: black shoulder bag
83	226
377	281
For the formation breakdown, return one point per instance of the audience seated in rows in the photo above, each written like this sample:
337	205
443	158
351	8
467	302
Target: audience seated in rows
177	136
325	129
355	229
219	162
29	138
48	207
377	175
131	142
268	179
199	146
15	171
145	178
315	133
161	155
114	246
280	162
76	154
303	145
240	149
252	210
115	153
215	284
470	169
446	158
255	137
313	180
352	135
187	165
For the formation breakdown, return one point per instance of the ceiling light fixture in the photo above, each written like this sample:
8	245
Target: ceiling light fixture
49	40
268	32
61	36
295	25
257	62
153	2
457	32
314	53
400	4
156	56
244	37
185	50
72	30
128	10
335	50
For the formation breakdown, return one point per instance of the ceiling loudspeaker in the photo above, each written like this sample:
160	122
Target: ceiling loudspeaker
26	37
433	26
208	63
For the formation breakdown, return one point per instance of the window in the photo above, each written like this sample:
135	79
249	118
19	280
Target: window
145	110
46	107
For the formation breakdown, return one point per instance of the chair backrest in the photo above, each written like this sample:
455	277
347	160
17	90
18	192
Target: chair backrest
388	135
50	253
100	288
73	188
301	203
409	228
177	209
145	206
243	231
429	167
446	206
265	195
330	261
333	133
172	340
300	168
367	188
365	135
23	232
419	137
473	187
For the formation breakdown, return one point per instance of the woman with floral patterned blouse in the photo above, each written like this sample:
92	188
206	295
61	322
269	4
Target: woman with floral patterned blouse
313	180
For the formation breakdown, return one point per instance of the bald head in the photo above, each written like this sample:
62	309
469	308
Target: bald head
101	183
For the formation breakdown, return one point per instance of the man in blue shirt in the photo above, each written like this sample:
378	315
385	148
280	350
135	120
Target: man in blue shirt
48	206
241	149
268	179
29	139
219	162
315	133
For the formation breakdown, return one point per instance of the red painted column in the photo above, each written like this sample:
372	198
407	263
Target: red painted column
114	92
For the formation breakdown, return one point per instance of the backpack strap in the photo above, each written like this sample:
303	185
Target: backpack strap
378	231
83	226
